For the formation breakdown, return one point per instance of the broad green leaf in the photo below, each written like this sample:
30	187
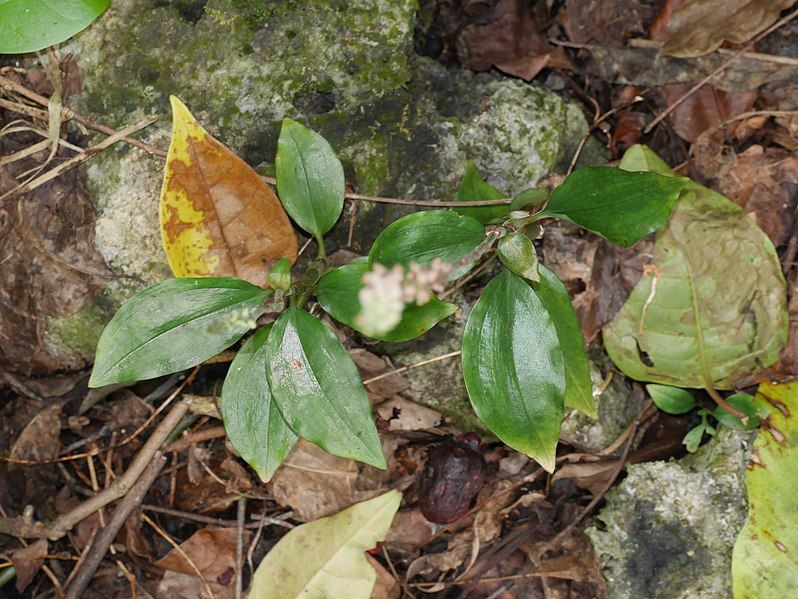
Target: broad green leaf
475	188
555	298
764	563
423	236
31	25
318	389
326	558
218	217
338	295
174	325
513	368
252	421
744	403
619	205
712	305
671	400
310	178
518	254
529	198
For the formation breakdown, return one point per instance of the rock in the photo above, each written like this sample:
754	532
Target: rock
671	526
404	125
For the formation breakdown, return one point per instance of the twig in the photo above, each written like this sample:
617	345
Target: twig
103	540
242	514
379	377
720	68
718	399
68	113
193	437
260	521
25	527
85	155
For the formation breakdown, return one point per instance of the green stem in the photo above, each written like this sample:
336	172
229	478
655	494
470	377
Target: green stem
7	575
322	248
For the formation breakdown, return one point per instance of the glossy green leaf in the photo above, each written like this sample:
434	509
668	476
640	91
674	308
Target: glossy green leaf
318	389
513	368
619	205
338	294
31	25
475	188
280	275
764	565
326	558
671	400
174	325
713	304
252	420
518	254
744	403
310	178
423	236
555	298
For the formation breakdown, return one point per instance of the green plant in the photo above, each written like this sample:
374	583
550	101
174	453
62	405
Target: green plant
523	353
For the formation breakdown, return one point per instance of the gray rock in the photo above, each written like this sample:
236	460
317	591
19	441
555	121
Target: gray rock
403	125
670	526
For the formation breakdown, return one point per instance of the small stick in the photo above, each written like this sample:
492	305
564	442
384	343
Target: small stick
260	521
242	514
104	539
721	67
411	367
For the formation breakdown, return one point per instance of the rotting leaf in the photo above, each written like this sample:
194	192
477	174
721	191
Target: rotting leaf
326	558
763	561
711	306
218	217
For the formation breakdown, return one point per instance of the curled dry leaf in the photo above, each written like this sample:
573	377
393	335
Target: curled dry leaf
218	217
697	27
28	561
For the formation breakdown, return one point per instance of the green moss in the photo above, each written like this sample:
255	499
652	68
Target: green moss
75	337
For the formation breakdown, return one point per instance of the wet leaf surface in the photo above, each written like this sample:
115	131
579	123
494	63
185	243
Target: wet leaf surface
218	217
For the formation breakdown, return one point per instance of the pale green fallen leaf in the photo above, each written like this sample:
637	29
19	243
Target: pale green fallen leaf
712	305
326	558
764	563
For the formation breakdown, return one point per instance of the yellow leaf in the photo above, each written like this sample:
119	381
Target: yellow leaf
218	217
326	558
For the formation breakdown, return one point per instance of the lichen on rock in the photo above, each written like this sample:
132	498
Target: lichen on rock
668	529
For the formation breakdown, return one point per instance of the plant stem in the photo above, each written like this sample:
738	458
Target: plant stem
7	575
322	248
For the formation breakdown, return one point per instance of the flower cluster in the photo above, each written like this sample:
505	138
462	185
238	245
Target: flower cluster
386	291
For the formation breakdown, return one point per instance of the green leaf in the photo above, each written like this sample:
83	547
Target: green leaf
529	198
518	254
423	236
555	298
310	178
253	423
318	389
619	205
326	557
692	439
31	25
174	325
513	368
712	305
744	403
763	560
280	274
474	188
671	400
338	294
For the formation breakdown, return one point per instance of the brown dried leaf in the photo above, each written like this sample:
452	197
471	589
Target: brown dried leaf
218	217
28	561
608	21
697	27
316	484
39	440
213	551
405	415
704	109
